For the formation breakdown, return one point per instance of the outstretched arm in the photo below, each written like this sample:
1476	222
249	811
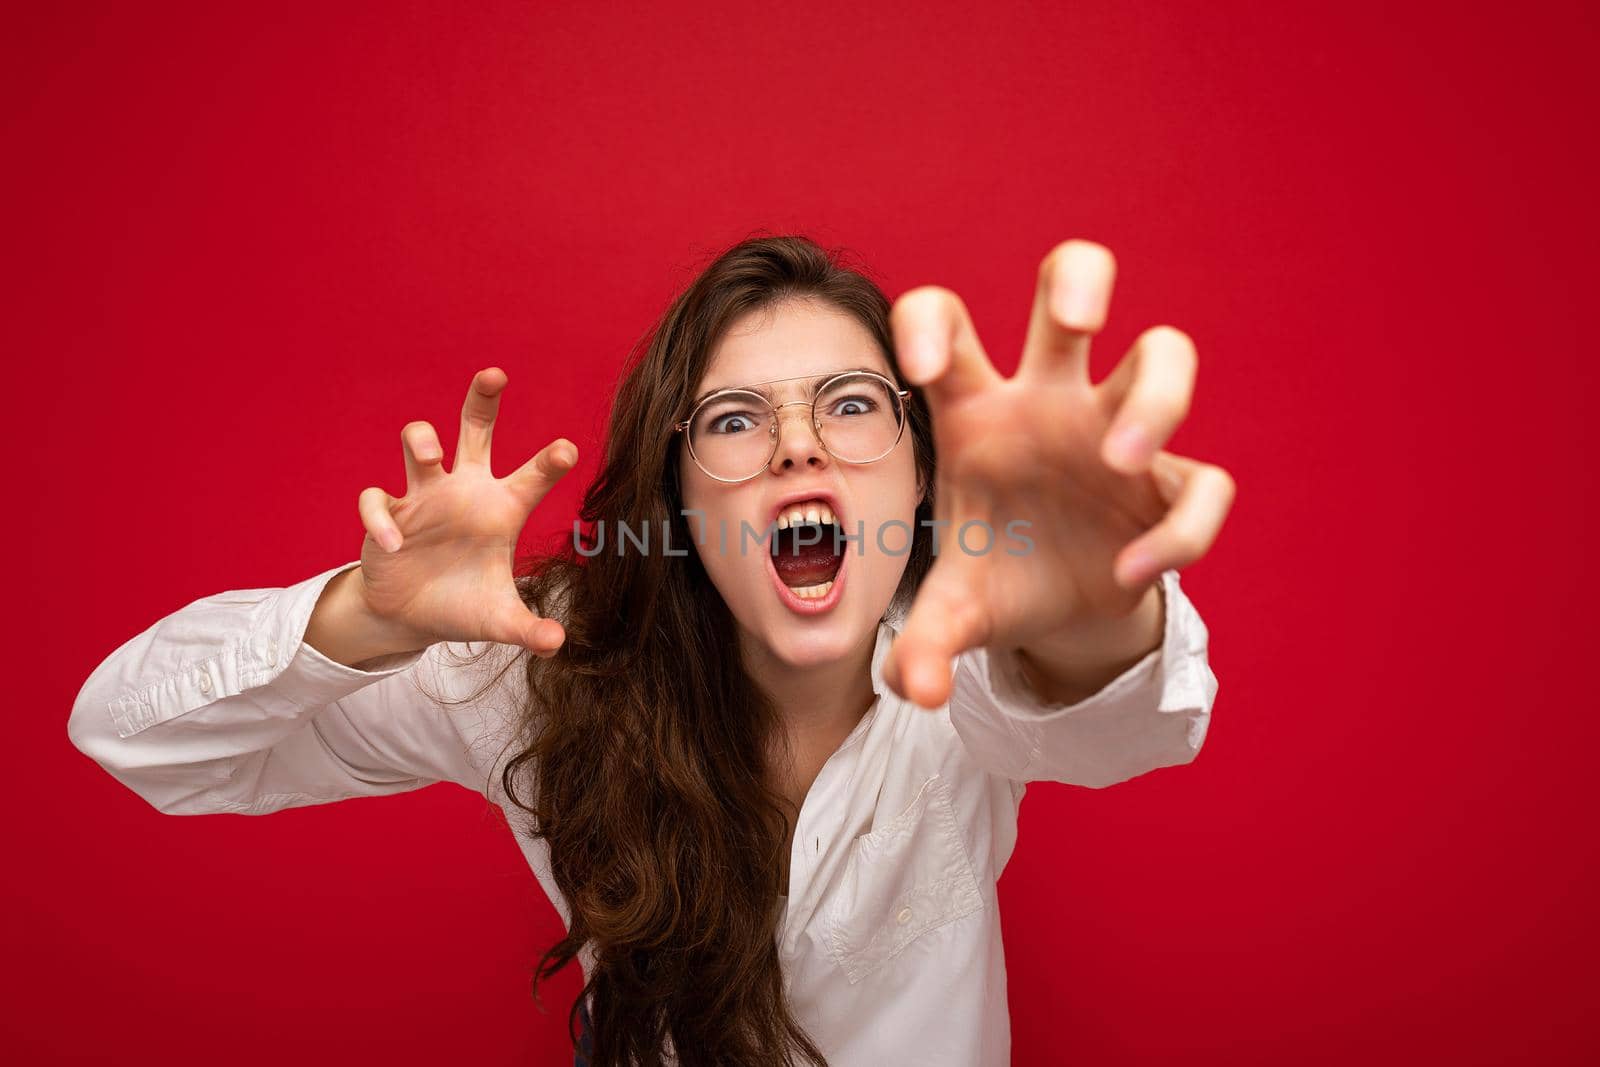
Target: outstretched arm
1152	714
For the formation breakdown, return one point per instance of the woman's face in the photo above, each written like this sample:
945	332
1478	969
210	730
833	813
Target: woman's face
787	603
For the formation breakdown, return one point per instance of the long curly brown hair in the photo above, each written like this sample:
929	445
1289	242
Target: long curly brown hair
643	753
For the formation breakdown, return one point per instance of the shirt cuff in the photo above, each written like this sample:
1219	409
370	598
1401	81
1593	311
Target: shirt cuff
260	645
304	674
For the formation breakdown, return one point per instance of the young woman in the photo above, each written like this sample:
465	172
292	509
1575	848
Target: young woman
769	720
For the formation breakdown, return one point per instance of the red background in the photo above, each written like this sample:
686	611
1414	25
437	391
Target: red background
247	245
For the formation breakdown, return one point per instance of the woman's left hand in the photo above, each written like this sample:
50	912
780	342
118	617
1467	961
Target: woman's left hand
1082	463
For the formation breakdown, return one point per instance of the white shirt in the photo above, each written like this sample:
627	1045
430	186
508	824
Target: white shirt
890	938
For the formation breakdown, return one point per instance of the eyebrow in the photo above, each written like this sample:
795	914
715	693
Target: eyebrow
765	391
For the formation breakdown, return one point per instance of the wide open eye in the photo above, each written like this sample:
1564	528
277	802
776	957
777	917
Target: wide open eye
732	413
856	404
732	422
859	416
730	434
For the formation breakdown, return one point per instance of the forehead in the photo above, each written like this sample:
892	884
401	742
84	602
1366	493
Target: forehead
793	339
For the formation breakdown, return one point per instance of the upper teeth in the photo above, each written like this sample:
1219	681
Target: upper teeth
812	511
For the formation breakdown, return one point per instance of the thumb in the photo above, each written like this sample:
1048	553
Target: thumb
946	619
517	625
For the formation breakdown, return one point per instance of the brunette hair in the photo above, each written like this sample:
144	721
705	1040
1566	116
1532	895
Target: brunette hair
643	751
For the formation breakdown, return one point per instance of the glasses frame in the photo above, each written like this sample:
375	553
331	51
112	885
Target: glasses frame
773	429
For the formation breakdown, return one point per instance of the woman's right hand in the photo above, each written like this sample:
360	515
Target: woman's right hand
436	564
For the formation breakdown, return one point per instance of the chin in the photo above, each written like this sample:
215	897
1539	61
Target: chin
817	630
813	644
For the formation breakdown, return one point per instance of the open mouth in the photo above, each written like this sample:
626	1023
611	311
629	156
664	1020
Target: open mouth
807	557
806	560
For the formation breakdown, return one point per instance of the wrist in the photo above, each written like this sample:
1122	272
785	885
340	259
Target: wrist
1073	664
344	629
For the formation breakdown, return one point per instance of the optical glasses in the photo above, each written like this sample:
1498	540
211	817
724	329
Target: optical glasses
858	416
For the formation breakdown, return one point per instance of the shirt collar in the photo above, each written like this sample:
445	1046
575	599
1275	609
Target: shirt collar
887	629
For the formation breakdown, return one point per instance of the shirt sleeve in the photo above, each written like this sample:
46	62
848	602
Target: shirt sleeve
222	707
1154	714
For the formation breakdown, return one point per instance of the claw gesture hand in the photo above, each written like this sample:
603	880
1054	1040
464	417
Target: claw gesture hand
1082	462
436	564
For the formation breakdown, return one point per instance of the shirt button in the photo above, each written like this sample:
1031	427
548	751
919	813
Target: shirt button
205	682
904	916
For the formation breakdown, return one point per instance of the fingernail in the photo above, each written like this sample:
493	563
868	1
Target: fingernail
921	359
1129	447
1138	567
388	541
1075	304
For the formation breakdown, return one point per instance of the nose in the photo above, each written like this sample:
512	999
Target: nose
798	445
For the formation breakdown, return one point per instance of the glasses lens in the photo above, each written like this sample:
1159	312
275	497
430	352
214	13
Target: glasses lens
860	415
731	435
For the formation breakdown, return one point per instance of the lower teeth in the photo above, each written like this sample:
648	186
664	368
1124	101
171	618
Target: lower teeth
812	592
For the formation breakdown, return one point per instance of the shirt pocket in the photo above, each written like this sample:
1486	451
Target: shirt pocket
905	878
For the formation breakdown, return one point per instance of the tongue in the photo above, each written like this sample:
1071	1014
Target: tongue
806	564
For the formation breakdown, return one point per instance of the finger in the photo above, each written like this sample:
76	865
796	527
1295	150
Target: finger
517	625
1149	391
1070	304
945	620
477	417
374	504
937	346
1187	531
534	479
424	454
1169	472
